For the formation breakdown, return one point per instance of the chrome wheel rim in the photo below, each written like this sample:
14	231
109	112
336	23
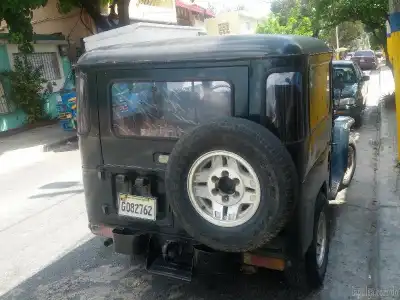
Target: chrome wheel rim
223	188
321	239
350	164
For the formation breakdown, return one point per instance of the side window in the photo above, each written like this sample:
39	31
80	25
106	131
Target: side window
319	93
358	71
285	91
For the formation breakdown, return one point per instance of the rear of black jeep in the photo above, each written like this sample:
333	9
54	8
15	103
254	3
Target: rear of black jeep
193	170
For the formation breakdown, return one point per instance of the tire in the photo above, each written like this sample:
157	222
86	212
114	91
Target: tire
307	274
349	173
271	163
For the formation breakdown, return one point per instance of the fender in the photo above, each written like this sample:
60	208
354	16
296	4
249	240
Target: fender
340	149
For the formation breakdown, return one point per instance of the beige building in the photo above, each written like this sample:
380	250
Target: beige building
47	20
233	22
74	25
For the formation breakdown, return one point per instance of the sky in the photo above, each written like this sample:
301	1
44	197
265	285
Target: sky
259	8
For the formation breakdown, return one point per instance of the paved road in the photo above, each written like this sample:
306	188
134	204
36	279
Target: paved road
48	253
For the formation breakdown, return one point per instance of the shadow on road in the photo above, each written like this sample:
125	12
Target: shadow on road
91	271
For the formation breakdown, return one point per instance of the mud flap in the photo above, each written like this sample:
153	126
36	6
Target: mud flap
340	148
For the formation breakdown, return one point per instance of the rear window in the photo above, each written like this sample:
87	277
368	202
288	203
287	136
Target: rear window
167	109
347	73
364	53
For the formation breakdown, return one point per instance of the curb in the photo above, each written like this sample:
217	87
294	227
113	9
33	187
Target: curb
51	146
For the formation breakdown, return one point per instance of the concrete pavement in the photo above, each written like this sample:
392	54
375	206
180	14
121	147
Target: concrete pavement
48	252
24	148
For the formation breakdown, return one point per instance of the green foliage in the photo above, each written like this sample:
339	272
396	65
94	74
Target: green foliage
350	34
25	88
293	22
372	13
306	8
18	14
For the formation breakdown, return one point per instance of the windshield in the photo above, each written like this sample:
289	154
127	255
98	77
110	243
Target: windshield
364	53
347	73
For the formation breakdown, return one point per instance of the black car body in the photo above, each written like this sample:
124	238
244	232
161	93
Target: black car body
350	99
147	113
366	59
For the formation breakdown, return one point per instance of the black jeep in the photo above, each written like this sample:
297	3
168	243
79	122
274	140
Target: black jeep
213	153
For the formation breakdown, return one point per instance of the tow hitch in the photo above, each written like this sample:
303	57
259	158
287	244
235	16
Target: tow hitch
172	259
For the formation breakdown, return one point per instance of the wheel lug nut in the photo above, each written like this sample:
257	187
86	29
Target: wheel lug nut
225	174
214	191
236	181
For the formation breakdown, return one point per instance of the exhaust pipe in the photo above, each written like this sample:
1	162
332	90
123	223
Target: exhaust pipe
171	250
108	242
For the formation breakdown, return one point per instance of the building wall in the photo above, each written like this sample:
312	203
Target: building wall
17	118
236	21
230	18
47	20
159	11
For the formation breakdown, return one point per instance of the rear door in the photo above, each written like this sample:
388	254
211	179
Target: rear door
144	111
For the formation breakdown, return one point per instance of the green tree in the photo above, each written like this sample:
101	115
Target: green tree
291	23
307	8
350	34
372	13
25	88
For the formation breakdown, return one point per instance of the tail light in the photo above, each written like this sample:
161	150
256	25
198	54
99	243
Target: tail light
82	118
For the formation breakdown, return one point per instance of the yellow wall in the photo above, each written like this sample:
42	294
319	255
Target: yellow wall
236	21
393	46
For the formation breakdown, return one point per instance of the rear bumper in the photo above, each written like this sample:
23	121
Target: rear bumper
367	65
182	258
101	205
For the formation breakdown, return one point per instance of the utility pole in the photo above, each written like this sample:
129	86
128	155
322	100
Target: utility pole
337	42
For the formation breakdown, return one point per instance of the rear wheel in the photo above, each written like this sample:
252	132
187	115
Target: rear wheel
309	273
231	184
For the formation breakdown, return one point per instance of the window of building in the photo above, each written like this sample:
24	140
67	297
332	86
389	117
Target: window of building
167	109
4	105
48	63
223	28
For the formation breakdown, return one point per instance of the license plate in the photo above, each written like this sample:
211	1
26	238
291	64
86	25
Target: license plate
362	60
137	207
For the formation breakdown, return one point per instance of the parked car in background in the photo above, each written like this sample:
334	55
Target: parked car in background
366	59
351	92
349	56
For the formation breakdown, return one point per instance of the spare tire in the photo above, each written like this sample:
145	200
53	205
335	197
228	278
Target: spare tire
231	184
